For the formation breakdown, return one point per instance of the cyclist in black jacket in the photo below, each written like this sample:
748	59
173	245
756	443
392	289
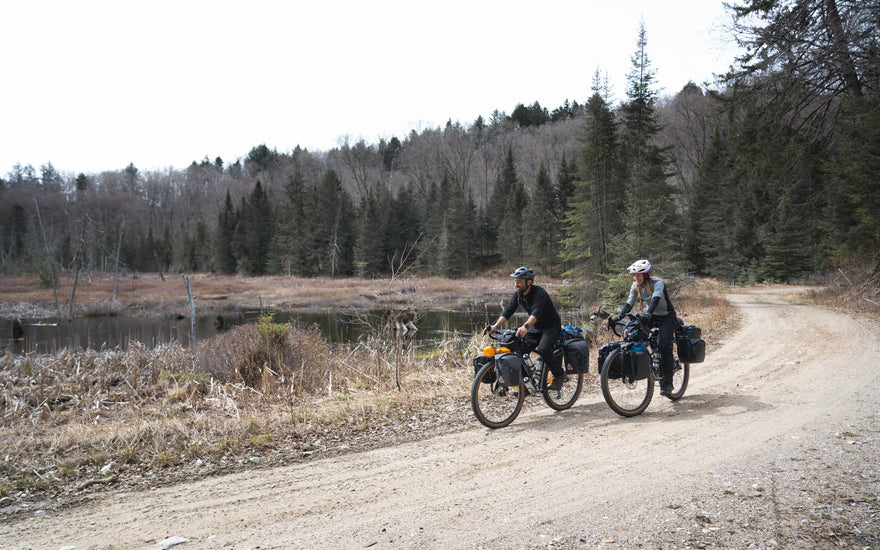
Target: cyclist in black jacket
542	316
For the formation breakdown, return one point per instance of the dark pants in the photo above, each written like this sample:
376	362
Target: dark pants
667	324
545	350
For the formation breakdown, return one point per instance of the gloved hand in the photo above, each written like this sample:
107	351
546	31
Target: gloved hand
645	318
612	320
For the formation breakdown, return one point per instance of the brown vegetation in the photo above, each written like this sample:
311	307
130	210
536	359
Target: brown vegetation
150	295
76	422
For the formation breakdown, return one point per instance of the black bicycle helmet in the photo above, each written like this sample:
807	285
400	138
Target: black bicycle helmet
523	273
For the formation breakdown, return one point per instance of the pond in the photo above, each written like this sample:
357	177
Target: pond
99	333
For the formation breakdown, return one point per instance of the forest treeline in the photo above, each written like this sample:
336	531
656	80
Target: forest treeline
770	173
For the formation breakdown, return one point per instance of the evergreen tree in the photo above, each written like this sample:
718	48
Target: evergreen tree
404	229
334	236
289	247
651	226
498	200
851	215
432	224
708	240
457	233
541	219
224	253
254	232
513	231
371	249
594	212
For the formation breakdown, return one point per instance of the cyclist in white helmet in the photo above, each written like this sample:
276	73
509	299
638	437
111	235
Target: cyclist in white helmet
658	313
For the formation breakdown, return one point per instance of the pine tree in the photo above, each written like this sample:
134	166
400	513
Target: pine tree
457	233
498	200
334	236
541	219
371	249
651	225
224	254
594	212
708	240
404	229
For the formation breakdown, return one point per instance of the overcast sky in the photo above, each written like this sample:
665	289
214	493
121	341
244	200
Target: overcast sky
94	85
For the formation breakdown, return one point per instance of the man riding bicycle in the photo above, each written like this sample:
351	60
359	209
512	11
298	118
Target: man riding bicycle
542	316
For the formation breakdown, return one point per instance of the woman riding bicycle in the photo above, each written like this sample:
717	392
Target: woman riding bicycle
658	313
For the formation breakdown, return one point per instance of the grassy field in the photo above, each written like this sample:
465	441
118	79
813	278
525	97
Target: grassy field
257	395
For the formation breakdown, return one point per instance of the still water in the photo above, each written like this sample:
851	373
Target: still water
101	333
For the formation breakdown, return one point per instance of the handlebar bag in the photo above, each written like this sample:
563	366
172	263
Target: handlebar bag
577	355
509	368
691	347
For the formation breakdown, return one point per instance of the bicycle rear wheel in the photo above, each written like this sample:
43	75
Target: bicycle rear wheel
495	404
681	373
625	397
564	397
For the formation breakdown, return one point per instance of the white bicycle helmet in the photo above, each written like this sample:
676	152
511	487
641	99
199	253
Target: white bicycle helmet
640	266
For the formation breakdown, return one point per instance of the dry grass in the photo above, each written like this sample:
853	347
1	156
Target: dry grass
849	290
267	389
74	422
149	295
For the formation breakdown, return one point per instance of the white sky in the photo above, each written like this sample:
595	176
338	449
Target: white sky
93	85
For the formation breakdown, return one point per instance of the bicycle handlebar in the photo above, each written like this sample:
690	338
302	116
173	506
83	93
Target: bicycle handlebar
621	323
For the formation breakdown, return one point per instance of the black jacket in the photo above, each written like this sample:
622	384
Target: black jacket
538	303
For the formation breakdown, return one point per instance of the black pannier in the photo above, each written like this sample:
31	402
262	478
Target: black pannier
604	351
691	347
635	362
481	360
509	368
577	356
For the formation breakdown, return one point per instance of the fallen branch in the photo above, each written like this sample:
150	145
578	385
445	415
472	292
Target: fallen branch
90	482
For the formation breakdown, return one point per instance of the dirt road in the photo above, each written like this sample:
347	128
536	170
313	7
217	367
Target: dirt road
775	445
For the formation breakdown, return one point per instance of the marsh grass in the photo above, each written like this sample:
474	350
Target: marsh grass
270	390
259	394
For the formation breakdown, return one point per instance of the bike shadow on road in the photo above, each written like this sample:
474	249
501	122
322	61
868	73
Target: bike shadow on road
598	414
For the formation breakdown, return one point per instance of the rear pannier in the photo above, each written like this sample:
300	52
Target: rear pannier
577	355
690	344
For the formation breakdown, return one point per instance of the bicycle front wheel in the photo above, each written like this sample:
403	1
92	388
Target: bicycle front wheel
681	373
564	397
625	397
495	404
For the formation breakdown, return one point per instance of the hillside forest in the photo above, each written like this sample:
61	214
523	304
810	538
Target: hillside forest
770	173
